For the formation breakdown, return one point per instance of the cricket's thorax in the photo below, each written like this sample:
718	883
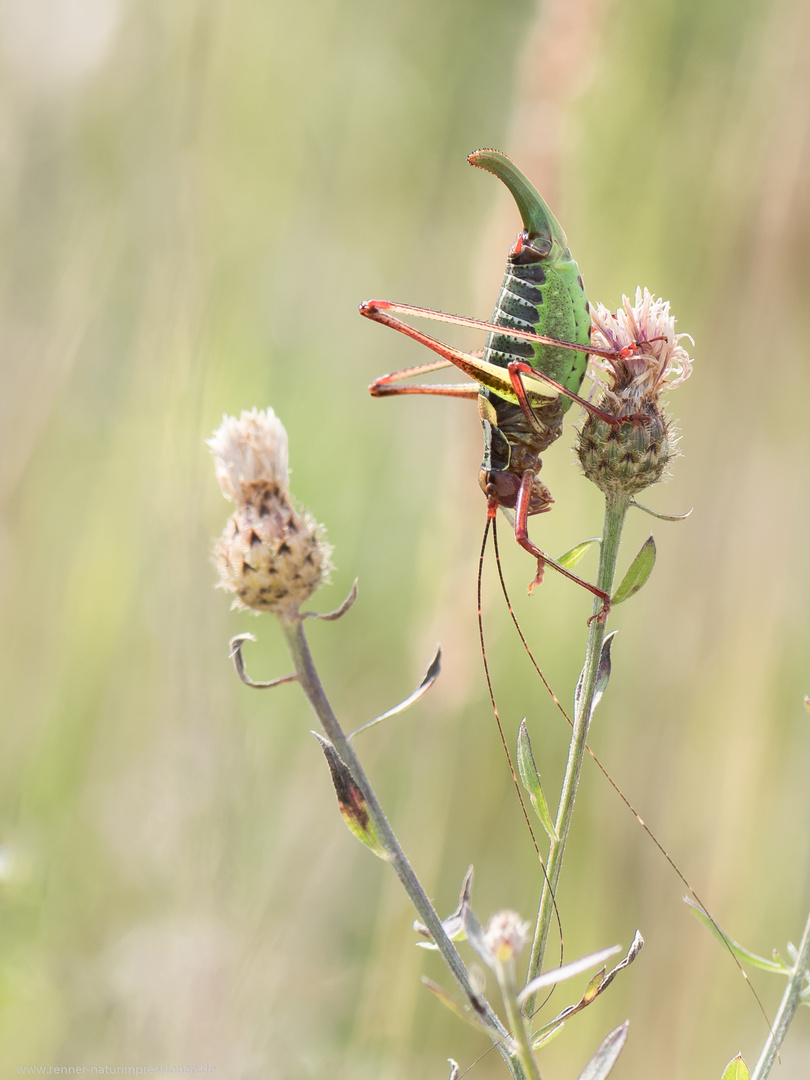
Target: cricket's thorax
512	446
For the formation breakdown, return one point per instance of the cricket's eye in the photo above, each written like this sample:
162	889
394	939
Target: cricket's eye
487	482
528	249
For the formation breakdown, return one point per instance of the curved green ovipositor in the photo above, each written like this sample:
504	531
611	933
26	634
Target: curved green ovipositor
537	219
542	292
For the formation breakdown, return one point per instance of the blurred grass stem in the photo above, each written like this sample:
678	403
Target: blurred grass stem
616	506
311	684
791	1000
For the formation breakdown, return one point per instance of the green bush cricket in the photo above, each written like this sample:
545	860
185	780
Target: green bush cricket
531	368
525	380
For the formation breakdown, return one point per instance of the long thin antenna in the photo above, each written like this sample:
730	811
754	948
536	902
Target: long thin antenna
491	520
624	798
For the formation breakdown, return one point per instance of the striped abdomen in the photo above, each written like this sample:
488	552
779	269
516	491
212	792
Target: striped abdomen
546	298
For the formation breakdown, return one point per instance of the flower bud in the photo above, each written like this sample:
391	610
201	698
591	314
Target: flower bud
506	935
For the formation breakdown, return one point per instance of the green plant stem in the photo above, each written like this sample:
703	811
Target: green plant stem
507	984
791	999
615	513
310	683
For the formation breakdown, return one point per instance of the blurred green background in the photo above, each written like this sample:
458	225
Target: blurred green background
194	197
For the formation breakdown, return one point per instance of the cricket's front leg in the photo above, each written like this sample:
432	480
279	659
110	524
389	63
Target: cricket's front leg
543	560
517	370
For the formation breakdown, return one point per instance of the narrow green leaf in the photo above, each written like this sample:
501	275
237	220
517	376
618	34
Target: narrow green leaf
776	967
547	1033
530	778
573	555
602	1062
736	1069
351	801
594	986
636	576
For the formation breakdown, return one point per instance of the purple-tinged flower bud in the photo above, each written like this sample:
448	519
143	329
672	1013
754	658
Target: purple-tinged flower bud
626	458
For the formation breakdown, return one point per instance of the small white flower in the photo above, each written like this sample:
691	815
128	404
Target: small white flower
655	357
252	448
506	935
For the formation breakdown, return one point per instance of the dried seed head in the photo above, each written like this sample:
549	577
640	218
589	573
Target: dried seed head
506	935
627	458
271	556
